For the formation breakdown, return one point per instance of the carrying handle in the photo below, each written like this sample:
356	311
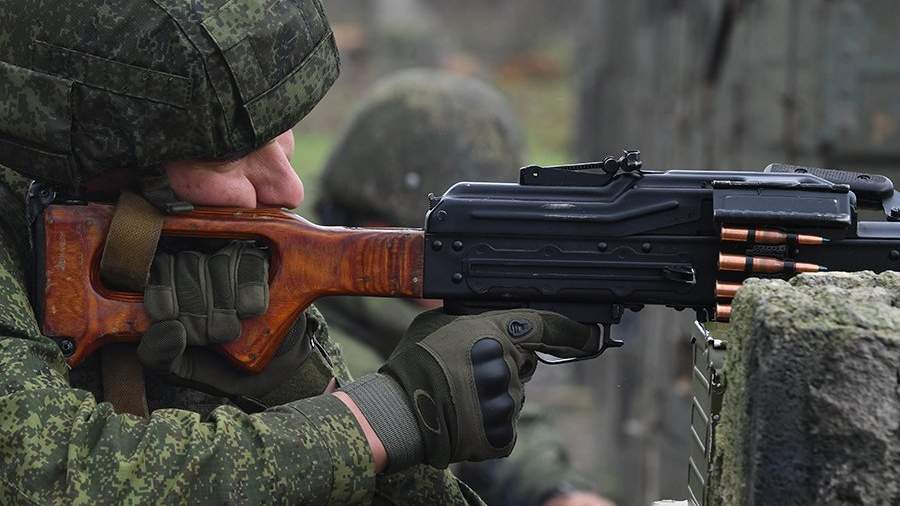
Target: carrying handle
870	189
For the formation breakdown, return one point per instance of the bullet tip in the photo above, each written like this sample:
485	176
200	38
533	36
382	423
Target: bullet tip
825	239
822	268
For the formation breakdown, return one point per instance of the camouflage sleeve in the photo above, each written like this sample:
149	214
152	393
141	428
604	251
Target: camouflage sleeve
58	445
424	485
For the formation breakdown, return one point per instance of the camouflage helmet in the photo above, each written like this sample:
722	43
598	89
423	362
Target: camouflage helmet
92	85
415	133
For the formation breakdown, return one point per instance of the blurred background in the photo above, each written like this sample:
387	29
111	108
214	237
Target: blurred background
524	48
694	84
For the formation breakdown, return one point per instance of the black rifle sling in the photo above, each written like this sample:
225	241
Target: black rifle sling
125	265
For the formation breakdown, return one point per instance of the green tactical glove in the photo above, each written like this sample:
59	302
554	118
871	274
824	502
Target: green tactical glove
195	300
453	388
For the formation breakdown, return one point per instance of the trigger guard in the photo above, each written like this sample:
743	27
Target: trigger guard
606	342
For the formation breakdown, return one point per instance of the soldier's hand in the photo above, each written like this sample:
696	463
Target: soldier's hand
462	382
196	299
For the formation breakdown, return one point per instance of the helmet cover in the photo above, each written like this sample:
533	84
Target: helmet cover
418	132
92	85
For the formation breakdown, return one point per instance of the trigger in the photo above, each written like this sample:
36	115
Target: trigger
606	341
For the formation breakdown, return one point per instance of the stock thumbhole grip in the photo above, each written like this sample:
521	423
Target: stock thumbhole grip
869	188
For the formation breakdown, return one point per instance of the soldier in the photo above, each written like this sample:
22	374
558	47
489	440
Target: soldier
420	131
96	96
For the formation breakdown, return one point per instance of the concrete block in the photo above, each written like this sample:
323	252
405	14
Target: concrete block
812	409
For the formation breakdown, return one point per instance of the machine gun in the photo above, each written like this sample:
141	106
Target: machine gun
587	240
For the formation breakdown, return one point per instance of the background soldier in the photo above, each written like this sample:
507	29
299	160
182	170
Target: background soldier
89	109
416	132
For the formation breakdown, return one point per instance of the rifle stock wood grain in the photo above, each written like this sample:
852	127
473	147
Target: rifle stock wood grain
307	261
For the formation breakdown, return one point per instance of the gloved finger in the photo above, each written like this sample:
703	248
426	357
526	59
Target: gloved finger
190	277
252	290
159	296
528	363
556	335
223	324
201	368
424	324
430	321
162	345
207	371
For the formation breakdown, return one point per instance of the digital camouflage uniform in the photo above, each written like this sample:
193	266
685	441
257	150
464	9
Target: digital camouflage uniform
538	466
420	131
89	86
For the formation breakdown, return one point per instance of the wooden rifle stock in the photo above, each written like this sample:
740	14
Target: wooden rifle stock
307	261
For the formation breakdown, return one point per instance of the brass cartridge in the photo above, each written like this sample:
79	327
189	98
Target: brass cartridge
741	263
726	290
767	236
723	312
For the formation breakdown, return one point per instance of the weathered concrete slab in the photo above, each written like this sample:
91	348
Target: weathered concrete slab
812	410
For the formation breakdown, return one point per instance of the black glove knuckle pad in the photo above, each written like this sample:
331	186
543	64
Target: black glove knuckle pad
492	380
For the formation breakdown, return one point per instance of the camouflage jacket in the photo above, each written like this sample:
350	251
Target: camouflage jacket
59	445
368	328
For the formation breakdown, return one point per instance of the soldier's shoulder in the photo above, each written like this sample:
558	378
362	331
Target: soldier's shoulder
16	315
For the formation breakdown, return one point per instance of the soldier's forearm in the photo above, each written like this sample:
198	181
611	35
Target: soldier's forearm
379	455
308	451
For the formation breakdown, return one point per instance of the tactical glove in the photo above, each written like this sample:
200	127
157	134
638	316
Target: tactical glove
460	381
195	300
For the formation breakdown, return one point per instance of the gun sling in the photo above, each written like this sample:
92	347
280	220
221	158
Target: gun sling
125	265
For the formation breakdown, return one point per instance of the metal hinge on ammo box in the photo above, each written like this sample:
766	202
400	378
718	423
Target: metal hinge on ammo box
707	390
